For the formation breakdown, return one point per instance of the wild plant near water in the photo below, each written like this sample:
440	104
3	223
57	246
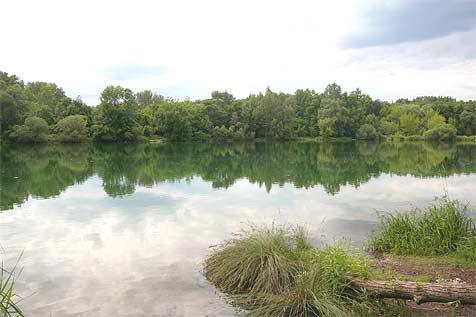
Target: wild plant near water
275	272
444	228
8	302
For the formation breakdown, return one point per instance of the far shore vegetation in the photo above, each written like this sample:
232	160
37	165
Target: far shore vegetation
274	271
41	112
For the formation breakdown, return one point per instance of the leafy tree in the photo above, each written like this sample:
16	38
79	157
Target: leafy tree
275	115
333	90
174	121
115	119
33	130
72	129
443	132
409	124
388	127
335	118
307	103
435	120
12	102
327	127
147	98
467	119
367	132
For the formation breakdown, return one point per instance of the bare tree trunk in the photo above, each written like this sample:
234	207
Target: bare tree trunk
419	292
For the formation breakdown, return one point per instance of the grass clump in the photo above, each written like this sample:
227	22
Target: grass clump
8	302
466	249
260	261
275	272
442	229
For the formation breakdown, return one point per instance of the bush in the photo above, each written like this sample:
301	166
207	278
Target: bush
466	138
440	229
275	272
388	128
72	129
261	261
414	138
33	130
367	132
444	132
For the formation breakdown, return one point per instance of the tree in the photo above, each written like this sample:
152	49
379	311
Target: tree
327	127
72	129
307	104
467	119
147	98
115	119
12	102
367	132
174	121
333	90
335	119
275	115
33	130
409	124
443	132
435	120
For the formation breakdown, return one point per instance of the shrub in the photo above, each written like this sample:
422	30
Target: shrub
466	138
440	229
414	138
388	127
261	261
275	272
72	129
33	130
367	132
443	132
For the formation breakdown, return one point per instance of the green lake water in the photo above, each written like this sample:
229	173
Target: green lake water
122	229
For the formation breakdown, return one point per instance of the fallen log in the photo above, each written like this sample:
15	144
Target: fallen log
419	292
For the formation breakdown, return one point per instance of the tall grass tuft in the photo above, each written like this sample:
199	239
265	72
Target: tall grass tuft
8	302
260	260
441	229
275	272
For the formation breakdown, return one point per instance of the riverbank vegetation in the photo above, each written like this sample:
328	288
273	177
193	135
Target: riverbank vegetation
8	299
442	229
276	272
40	111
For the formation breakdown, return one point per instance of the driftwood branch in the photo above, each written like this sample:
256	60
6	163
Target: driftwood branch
419	292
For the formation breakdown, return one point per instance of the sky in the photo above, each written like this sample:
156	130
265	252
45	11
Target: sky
389	49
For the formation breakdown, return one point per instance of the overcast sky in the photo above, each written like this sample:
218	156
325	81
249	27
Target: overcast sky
186	48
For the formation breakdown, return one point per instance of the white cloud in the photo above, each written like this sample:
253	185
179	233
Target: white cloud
195	47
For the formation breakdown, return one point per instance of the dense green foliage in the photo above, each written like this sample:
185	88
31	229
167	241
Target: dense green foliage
72	129
275	272
34	129
444	228
47	170
126	116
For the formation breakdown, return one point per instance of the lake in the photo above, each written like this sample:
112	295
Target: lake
122	229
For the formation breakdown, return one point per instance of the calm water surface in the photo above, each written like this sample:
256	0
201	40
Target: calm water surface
122	230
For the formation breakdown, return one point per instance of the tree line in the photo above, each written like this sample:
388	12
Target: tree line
40	112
